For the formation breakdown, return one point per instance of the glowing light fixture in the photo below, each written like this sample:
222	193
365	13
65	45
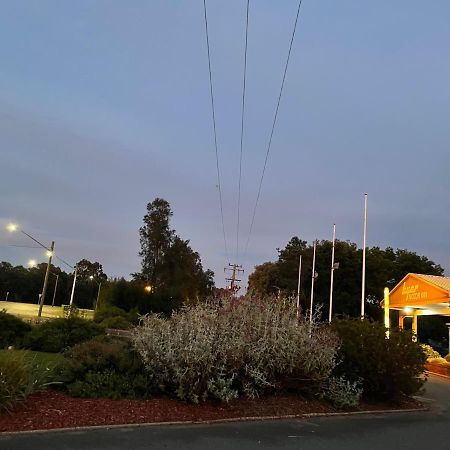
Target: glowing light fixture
32	263
407	310
148	289
49	253
11	227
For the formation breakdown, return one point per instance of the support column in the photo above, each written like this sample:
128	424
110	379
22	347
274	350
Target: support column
387	323
401	320
414	327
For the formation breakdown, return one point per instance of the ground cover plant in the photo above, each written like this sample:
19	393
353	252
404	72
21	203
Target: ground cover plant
230	348
21	374
386	368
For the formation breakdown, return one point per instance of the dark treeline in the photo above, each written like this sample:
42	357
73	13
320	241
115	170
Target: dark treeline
384	268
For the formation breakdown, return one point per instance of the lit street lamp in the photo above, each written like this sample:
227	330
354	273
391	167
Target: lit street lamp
12	228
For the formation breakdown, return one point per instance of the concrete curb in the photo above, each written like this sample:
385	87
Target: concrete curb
217	421
428	372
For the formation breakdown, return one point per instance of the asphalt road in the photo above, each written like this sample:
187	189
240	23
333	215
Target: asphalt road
425	430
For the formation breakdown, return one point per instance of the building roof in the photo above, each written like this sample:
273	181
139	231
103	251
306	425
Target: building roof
440	282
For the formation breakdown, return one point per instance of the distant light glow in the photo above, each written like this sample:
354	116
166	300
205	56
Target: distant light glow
148	289
407	310
91	277
11	227
49	253
32	263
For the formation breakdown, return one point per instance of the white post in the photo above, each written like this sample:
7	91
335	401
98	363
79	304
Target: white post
332	275
363	285
98	295
73	285
298	285
312	285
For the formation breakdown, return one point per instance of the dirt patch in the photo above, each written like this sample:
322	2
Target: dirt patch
52	409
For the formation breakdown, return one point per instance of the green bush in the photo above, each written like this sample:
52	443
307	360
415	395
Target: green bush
117	322
387	368
20	376
59	334
447	358
107	312
108	368
12	330
240	348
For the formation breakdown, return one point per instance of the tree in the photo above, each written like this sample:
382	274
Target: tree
173	269
87	269
155	238
383	268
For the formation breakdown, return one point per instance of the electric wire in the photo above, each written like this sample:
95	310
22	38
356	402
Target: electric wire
273	126
215	130
242	132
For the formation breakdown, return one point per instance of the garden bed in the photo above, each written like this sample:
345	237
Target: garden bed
52	410
438	369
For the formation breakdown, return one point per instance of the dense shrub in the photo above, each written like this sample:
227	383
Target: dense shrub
59	334
117	322
106	367
12	330
20	375
447	358
106	312
387	368
242	347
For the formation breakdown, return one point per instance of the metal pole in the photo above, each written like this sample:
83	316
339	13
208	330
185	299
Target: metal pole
47	272
298	285
332	275
312	286
7	295
363	285
98	294
54	291
73	285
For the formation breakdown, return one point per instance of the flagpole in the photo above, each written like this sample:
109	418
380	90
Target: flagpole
332	274
312	286
363	284
298	285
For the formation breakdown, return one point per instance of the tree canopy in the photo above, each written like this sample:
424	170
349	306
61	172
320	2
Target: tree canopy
383	268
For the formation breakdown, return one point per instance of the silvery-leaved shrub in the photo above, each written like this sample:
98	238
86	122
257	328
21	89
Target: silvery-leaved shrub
237	347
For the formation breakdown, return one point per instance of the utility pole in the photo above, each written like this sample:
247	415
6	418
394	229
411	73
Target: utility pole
47	272
235	269
54	292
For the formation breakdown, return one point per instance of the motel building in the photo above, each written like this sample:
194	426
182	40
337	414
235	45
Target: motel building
418	295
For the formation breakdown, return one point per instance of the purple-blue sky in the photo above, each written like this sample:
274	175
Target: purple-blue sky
104	105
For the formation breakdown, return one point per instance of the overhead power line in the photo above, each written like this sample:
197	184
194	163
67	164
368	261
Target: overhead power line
215	130
273	126
242	132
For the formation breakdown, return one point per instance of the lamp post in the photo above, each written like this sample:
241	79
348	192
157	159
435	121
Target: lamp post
12	228
56	285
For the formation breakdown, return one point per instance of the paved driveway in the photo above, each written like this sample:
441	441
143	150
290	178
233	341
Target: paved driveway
412	431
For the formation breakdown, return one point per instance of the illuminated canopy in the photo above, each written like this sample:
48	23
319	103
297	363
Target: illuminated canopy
421	295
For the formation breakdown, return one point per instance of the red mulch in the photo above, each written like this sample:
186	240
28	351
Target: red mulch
52	409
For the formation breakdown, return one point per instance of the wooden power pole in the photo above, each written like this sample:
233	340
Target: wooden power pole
235	269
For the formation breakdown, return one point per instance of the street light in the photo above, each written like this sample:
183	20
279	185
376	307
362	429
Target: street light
31	263
12	227
148	289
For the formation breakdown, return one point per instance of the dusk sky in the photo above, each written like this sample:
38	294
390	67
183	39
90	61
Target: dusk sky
104	105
